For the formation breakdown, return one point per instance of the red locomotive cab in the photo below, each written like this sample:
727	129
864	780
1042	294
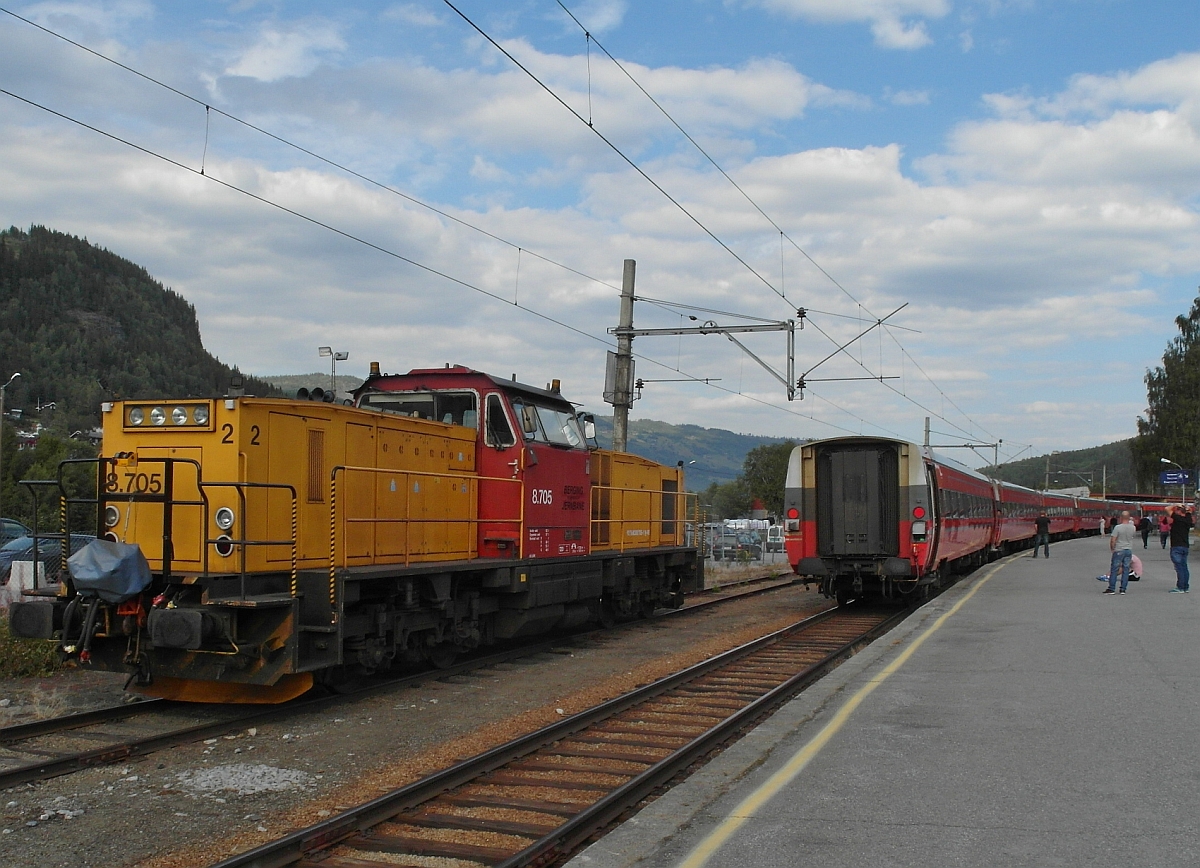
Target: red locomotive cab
535	469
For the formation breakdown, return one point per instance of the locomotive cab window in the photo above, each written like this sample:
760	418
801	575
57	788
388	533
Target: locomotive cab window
453	408
498	433
553	425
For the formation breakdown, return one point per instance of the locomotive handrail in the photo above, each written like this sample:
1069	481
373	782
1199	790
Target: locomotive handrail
472	520
243	542
107	492
680	498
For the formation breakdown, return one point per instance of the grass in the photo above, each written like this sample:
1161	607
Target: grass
26	658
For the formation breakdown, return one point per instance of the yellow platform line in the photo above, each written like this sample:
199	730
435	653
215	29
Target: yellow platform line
780	779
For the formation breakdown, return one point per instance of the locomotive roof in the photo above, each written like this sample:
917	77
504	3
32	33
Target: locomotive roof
456	371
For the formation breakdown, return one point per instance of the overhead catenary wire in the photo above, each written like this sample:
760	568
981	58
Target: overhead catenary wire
350	236
300	148
458	220
782	233
209	109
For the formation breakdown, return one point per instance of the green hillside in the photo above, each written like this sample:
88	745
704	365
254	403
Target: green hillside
1090	467
84	326
718	454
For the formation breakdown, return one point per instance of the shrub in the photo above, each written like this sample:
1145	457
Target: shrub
26	658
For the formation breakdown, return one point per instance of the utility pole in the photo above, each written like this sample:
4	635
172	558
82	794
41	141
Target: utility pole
2	389
1046	487
622	385
926	432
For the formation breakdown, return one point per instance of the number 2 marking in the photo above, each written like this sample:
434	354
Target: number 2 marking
228	429
254	432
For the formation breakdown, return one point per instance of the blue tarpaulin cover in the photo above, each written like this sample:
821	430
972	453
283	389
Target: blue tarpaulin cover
112	571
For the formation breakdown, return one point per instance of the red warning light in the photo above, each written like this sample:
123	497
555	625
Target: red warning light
793	513
919	512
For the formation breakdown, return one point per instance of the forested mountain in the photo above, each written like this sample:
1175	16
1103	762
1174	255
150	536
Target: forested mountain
1108	467
83	326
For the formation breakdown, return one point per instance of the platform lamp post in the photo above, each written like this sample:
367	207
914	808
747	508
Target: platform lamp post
334	358
1183	483
2	390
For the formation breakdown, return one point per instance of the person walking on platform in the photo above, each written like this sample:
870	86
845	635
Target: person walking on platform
1181	528
1120	543
1144	526
1164	528
1042	523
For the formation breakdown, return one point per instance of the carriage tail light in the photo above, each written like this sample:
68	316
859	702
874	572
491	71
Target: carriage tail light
792	525
793	513
919	512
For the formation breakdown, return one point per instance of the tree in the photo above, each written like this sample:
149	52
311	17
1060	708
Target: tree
1171	427
726	500
765	472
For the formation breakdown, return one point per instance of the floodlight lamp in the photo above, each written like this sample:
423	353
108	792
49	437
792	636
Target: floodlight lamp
341	357
325	351
1166	461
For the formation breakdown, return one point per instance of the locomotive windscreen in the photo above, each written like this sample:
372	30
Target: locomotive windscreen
858	494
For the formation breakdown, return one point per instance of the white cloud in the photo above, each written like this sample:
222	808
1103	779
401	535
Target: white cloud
287	53
891	21
410	13
907	97
1055	227
599	16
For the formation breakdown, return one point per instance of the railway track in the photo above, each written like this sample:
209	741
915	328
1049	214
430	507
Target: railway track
43	749
538	798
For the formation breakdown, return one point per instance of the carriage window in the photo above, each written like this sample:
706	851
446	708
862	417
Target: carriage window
499	432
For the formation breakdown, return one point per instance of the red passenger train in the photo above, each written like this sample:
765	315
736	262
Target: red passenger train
877	518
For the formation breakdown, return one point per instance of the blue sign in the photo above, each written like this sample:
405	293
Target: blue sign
1175	477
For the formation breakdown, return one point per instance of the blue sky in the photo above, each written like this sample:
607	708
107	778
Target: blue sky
1024	175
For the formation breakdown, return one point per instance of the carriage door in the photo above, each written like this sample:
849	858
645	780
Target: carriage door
858	508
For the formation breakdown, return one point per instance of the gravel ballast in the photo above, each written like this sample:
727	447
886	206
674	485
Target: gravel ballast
194	805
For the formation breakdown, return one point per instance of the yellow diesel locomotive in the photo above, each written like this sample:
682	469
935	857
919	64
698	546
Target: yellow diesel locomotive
285	541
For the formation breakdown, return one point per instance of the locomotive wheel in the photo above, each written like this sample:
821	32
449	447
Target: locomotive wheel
608	617
443	656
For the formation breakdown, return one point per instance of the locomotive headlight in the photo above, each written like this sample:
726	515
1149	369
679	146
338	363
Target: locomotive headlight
137	416
224	518
179	416
112	515
918	529
158	416
200	414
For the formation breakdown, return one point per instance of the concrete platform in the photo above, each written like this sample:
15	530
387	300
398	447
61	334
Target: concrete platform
1022	718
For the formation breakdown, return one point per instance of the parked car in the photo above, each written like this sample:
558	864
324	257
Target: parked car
11	529
49	553
775	538
734	546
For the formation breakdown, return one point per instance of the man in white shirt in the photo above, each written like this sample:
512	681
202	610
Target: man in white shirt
1120	543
